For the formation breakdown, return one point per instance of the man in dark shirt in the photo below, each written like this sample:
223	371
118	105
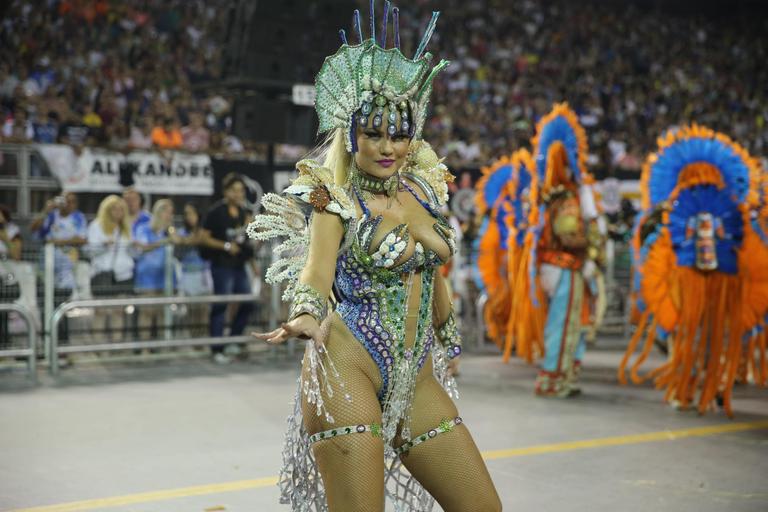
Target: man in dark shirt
73	132
227	248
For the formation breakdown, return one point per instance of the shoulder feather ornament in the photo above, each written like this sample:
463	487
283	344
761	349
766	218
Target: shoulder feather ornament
429	171
286	217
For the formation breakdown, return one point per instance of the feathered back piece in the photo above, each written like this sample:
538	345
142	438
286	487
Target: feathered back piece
492	198
701	270
525	324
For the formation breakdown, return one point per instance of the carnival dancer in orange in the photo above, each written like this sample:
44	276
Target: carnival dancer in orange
568	249
525	326
701	268
756	255
493	201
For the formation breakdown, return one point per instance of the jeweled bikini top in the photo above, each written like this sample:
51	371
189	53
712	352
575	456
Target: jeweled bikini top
390	253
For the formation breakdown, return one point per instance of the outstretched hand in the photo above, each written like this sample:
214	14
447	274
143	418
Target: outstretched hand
453	367
302	327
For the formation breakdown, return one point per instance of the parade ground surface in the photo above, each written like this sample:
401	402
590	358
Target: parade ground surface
179	434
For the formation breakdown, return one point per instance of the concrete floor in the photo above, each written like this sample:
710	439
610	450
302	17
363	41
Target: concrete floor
103	431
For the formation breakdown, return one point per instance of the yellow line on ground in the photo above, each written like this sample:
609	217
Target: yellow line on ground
665	435
148	497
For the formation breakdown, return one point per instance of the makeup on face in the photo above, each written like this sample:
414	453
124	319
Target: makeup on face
379	153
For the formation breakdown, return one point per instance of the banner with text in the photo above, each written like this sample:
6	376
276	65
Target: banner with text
99	170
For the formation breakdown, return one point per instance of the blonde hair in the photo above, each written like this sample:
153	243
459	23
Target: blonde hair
160	204
333	154
104	216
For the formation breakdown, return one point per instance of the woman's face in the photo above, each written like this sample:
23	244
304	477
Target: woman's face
117	212
190	216
166	216
378	153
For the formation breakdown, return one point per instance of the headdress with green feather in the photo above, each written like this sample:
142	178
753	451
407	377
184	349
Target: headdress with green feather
363	79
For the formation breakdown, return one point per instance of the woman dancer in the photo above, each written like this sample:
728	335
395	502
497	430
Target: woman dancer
372	394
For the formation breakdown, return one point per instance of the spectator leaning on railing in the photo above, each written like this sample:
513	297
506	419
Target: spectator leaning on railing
10	252
62	224
18	128
150	238
196	136
136	214
195	271
47	132
166	134
74	132
109	244
228	250
141	135
10	236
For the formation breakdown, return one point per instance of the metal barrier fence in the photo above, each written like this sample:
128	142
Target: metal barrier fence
34	289
31	351
79	306
54	350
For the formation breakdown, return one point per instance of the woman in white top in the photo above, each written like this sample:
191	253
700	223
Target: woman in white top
109	244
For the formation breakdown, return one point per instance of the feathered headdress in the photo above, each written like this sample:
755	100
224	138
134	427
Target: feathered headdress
492	183
560	145
361	80
698	170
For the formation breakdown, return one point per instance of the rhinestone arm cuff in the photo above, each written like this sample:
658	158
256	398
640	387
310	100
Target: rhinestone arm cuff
307	300
449	336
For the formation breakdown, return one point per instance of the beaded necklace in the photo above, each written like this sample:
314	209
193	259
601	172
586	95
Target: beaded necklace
368	184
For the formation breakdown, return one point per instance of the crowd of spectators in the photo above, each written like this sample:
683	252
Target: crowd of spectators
119	74
125	73
126	250
630	73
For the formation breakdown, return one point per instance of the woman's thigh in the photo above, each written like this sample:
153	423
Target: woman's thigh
449	466
352	465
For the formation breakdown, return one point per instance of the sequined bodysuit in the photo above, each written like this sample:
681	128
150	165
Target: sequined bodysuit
373	294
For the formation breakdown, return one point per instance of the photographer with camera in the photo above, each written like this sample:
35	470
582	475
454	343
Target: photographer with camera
66	227
63	225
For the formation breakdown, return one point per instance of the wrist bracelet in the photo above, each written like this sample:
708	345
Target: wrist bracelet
307	300
449	336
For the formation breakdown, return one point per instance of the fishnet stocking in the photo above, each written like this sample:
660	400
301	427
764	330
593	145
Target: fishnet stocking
449	466
352	466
